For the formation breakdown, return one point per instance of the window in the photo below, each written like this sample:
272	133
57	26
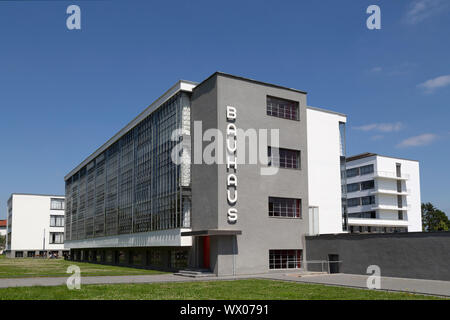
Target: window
121	257
57	204
352	172
368	200
19	254
353	202
366	169
56	237
398	170
282	108
286	158
365	215
178	259
137	257
285	259
352	187
366	185
56	221
30	254
285	207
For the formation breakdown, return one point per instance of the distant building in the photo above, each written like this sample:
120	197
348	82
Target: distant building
35	225
3	227
383	194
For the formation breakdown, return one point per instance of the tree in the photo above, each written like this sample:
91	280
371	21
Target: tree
434	219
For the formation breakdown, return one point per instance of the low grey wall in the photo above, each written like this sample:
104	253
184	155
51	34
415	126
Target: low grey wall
417	255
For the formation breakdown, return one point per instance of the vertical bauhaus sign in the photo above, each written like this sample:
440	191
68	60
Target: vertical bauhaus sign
231	162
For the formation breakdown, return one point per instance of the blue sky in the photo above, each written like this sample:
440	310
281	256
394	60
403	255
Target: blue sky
64	93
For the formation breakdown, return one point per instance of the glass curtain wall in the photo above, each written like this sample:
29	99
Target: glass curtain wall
133	186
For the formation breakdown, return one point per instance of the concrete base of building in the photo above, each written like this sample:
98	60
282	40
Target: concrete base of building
36	253
155	258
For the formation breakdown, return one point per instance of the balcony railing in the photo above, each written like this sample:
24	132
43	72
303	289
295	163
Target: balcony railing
391	175
391	207
406	192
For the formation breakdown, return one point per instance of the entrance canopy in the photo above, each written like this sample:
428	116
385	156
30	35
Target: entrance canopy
212	232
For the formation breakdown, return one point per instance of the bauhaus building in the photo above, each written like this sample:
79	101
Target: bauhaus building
179	186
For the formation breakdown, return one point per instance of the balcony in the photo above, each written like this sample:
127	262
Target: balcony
377	222
391	207
392	192
390	175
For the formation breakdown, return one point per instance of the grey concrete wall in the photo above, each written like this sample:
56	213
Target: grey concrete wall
260	233
405	255
204	177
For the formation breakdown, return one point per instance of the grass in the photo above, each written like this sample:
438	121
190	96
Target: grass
254	289
36	267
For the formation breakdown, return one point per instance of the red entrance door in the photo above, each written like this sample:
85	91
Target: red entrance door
206	252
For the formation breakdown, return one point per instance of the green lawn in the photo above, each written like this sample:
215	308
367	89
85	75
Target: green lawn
238	289
35	267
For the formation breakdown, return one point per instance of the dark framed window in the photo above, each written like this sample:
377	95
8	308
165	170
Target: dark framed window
285	259
353	187
352	172
366	169
284	158
56	221
367	185
282	108
56	237
285	207
19	254
56	204
353	202
368	200
365	215
178	259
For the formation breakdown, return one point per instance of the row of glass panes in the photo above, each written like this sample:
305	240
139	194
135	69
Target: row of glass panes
373	229
360	186
360	201
57	204
56	221
284	158
282	108
155	178
285	259
366	215
360	171
284	207
56	237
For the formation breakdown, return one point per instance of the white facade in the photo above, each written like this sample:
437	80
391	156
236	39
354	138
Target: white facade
35	224
383	194
324	174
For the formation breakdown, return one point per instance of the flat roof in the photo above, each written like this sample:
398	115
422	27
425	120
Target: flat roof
327	111
181	85
228	75
370	154
37	194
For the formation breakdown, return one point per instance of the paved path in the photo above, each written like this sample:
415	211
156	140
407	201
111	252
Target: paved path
57	281
431	287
